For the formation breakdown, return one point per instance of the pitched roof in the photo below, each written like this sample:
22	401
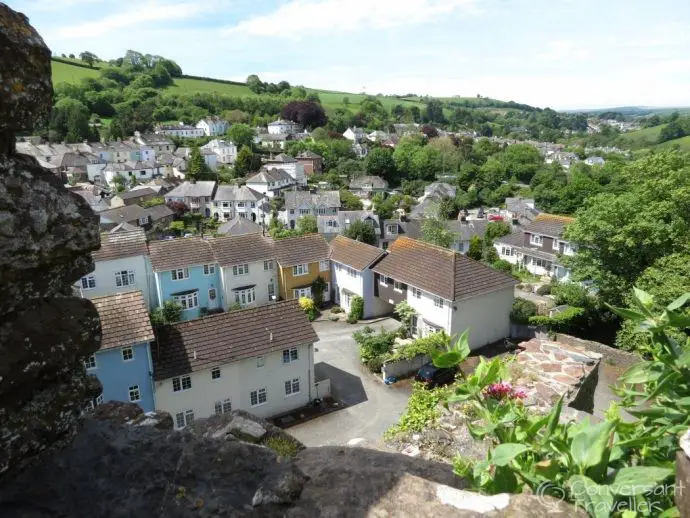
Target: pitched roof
439	271
549	225
119	243
466	229
202	344
180	253
353	253
245	248
136	193
238	226
124	319
296	199
375	182
159	211
308	154
411	228
302	249
270	175
192	189
125	213
515	238
234	192
282	158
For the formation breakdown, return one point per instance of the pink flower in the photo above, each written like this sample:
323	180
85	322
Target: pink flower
503	391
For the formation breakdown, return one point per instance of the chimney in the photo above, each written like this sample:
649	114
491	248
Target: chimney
195	355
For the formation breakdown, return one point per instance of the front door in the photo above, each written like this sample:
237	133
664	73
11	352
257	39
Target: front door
212	298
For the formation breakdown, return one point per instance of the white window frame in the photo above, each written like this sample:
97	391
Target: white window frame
298	293
416	293
257	395
304	212
184	419
268	264
245	297
397	286
323	265
88	282
124	351
536	239
260	362
223	406
179	274
179	382
240	269
213	373
90	363
271	290
212	294
209	269
124	278
188	301
300	269
134	391
292	387
290	355
99	399
439	302
392	229
556	244
382	280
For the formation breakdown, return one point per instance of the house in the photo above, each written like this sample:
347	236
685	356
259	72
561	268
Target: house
365	186
96	197
160	216
123	362
238	226
158	142
132	197
406	129
213	126
288	164
257	359
225	150
209	156
537	247
248	269
283	127
439	191
312	163
274	142
351	263
304	203
131	214
195	195
378	136
360	150
186	271
333	225
449	292
427	207
121	264
230	201
521	211
300	261
271	182
464	231
355	134
391	229
129	170
180	130
595	160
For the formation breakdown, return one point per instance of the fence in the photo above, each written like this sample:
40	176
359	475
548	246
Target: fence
323	388
404	368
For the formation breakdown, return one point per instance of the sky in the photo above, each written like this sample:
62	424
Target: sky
564	54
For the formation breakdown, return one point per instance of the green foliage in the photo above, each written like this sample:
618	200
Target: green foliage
177	227
196	163
306	225
246	161
433	343
158	200
379	162
241	135
503	266
496	229
522	311
169	313
567	321
361	231
422	410
318	287
572	294
434	231
356	309
374	347
283	446
309	308
545	289
349	201
476	248
405	312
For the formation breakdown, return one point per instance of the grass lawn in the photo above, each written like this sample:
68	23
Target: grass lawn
642	138
683	143
191	86
63	73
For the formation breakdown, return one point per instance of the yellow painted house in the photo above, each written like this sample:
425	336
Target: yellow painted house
300	261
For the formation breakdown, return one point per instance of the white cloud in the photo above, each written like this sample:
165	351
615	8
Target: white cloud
564	50
300	18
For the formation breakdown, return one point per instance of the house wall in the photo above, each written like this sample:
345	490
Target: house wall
237	380
104	273
342	280
166	287
425	308
487	316
257	275
117	375
287	281
250	210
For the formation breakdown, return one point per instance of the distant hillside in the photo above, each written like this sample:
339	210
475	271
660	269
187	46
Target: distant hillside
635	111
648	138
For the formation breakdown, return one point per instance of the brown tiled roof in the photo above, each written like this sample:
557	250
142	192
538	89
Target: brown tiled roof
353	253
439	271
230	337
303	249
179	253
549	225
244	248
124	319
119	244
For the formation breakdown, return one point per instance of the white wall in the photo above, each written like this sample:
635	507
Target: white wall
428	311
343	280
237	380
487	316
257	275
105	278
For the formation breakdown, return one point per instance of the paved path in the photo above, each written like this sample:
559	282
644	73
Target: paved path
372	407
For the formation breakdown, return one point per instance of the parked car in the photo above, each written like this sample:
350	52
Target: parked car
495	217
434	376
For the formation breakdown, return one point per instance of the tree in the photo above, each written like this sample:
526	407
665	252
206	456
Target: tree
88	57
255	84
476	248
69	121
379	162
246	162
307	113
169	313
349	201
241	135
307	225
522	161
178	207
434	231
429	131
496	229
196	163
361	231
318	287
434	111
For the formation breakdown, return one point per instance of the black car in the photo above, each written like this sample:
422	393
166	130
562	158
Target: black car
434	376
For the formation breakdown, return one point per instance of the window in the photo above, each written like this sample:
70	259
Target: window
182	383
300	269
90	362
321	211
99	400
215	373
188	300
292	211
536	239
438	302
292	387
142	173
301	292
268	265
244	297
260	362
392	229
178	275
290	355
124	278
258	397
385	245
323	265
134	394
332	223
88	282
253	205
212	294
271	290
223	407
417	293
399	286
209	269
240	204
127	354
240	269
144	220
226	205
556	244
304	212
185	418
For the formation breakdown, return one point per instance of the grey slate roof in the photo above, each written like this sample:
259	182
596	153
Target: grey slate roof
371	182
126	213
158	212
239	226
518	204
297	199
411	229
211	341
440	190
345	218
235	193
308	154
119	243
549	225
465	230
282	158
137	193
197	189
270	175
516	238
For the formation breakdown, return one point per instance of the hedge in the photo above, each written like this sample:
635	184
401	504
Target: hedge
522	311
563	322
356	309
419	347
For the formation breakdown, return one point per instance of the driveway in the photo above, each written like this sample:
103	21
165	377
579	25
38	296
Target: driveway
371	406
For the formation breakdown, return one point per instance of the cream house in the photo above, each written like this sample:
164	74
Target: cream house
258	359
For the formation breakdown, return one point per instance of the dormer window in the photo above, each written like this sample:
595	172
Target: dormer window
536	239
556	244
392	229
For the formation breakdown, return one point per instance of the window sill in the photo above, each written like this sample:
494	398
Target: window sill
293	394
258	404
183	390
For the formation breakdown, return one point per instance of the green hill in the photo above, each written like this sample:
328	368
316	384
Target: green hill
642	138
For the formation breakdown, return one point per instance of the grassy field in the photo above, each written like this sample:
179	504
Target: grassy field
63	73
683	143
191	86
642	138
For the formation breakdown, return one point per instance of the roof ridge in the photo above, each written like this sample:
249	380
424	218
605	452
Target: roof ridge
113	295
236	312
431	245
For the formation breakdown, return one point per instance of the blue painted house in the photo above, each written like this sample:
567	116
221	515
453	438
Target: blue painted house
123	363
186	271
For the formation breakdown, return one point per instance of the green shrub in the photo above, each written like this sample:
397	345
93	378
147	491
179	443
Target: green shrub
405	312
502	265
356	309
522	310
318	287
420	346
336	309
374	347
422	410
572	294
309	307
564	322
283	446
544	289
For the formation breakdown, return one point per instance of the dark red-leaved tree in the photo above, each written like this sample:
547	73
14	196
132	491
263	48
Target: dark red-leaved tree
307	113
429	131
178	208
